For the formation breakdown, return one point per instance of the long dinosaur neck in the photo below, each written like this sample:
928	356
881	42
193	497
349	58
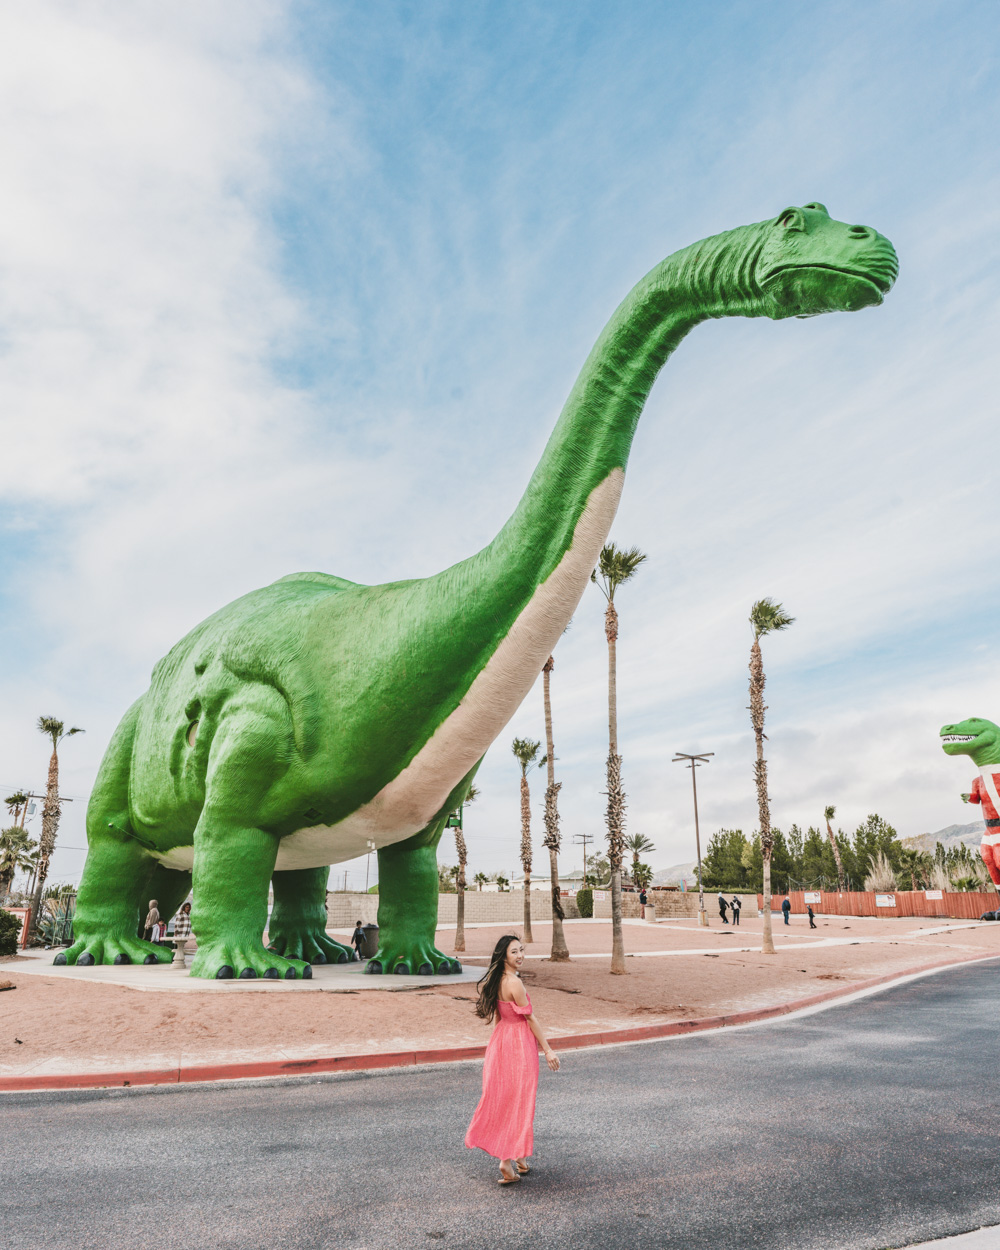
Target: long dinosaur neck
593	436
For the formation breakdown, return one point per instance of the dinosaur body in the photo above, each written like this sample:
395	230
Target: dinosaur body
313	717
980	739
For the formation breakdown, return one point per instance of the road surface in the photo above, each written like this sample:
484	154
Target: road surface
871	1124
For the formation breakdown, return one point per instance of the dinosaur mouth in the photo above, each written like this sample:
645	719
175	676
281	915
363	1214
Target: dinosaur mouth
959	737
881	282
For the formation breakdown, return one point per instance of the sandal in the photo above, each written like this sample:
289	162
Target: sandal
522	1168
507	1180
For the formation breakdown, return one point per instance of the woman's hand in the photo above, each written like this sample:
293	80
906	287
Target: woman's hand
552	1059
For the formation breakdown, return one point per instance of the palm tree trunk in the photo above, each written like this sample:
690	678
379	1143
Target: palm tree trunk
616	796
760	776
526	853
460	887
50	823
836	855
560	951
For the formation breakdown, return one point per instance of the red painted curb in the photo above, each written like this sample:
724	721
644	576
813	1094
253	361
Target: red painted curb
410	1058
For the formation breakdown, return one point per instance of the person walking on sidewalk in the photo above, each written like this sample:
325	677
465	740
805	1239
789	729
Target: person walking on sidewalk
723	905
786	907
503	1123
812	917
358	938
734	907
642	903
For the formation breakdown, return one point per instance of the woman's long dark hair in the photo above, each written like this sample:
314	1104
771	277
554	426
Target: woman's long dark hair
489	985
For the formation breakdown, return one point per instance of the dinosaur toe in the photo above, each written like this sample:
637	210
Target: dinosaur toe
374	967
85	960
248	974
122	958
225	973
60	959
271	974
425	970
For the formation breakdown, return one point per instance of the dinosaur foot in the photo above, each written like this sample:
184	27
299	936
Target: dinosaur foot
423	961
87	951
222	961
311	945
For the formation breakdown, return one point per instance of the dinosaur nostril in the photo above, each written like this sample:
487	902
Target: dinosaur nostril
861	232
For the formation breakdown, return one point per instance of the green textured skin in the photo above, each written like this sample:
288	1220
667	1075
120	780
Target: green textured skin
302	700
984	740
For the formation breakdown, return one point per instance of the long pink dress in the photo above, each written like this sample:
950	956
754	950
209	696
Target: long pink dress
503	1122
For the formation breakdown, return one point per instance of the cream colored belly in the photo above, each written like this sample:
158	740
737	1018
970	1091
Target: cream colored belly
411	801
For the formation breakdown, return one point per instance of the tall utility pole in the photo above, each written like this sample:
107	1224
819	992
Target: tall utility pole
693	762
583	839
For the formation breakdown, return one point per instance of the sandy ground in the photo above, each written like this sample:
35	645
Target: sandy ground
676	971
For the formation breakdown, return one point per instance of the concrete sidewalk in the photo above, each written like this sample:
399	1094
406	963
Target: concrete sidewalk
326	978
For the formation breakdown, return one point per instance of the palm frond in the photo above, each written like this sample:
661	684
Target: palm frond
615	567
768	617
829	812
525	751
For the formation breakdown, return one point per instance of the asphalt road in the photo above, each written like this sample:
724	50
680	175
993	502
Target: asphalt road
869	1125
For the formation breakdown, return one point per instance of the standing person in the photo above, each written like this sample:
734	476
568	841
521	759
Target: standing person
812	917
786	907
502	1124
642	902
182	924
723	905
734	907
152	918
358	937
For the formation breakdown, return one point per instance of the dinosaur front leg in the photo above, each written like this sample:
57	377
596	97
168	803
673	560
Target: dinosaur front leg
297	927
233	864
407	907
116	884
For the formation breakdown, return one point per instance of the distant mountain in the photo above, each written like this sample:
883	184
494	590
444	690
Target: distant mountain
672	876
949	837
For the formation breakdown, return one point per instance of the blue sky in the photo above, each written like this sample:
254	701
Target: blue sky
295	286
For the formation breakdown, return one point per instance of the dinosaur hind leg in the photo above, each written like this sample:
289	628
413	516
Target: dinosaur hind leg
297	928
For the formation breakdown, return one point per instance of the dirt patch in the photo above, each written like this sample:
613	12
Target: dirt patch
62	1025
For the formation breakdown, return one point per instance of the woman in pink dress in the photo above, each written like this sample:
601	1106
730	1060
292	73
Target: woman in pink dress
502	1124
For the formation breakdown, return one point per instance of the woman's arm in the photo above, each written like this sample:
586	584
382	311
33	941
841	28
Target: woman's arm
520	996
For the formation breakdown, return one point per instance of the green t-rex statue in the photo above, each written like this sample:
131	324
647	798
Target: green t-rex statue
315	716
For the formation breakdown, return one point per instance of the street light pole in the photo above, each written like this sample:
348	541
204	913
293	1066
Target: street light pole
693	762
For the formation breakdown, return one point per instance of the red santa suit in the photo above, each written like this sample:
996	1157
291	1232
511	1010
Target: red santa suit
986	790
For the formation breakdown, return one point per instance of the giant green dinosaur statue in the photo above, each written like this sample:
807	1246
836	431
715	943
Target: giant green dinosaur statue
314	716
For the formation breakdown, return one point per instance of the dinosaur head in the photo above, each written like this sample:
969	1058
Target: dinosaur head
976	737
811	264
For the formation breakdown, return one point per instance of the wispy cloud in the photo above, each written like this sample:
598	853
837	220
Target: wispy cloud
282	287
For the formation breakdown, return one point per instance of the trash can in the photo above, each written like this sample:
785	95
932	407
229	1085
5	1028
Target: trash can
369	947
650	913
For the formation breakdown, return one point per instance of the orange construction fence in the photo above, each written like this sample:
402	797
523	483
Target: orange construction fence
941	903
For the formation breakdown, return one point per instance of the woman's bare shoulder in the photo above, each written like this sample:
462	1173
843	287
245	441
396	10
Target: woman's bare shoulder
513	991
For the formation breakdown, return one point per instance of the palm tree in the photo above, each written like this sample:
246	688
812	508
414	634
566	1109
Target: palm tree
460	872
481	879
526	753
614	569
638	844
17	805
828	815
16	855
560	951
53	729
916	865
766	617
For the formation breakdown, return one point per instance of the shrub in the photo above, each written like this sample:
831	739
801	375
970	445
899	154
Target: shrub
585	902
10	927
